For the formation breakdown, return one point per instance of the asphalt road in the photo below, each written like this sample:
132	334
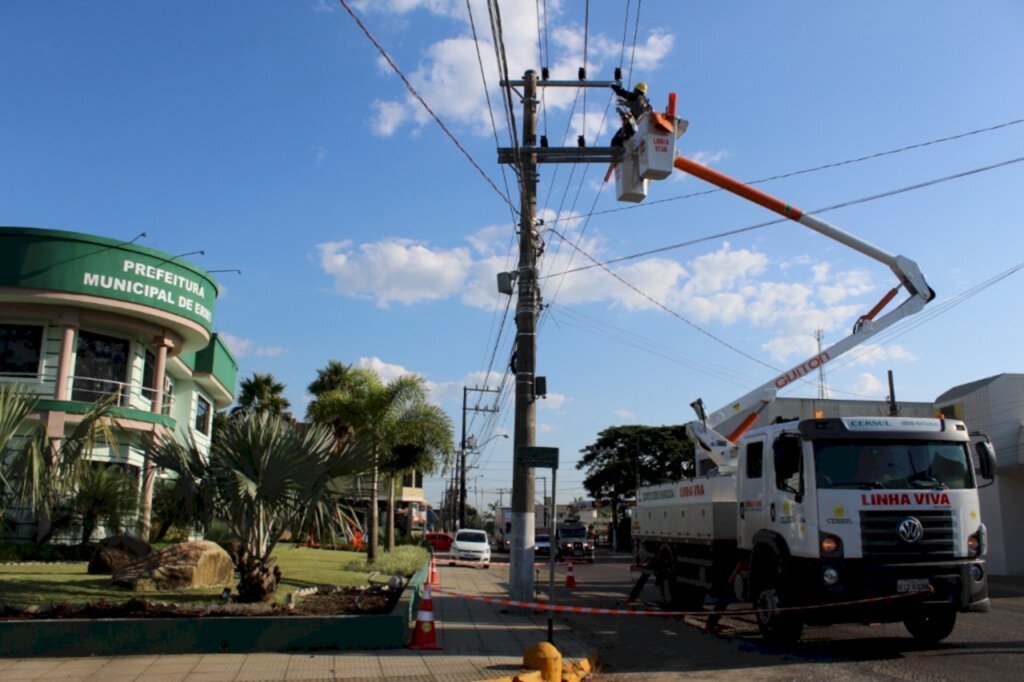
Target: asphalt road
633	648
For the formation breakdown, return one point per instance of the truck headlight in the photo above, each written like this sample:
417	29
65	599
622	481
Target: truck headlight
831	545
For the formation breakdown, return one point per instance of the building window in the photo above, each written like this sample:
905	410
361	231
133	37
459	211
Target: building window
148	372
413	479
101	367
20	348
203	415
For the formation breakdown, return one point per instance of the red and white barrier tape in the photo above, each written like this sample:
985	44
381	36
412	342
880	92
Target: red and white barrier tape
442	561
558	608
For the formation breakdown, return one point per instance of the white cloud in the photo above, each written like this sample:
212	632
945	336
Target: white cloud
238	346
545	428
319	152
625	415
554	401
324	6
395	270
873	353
386	117
386	371
848	284
241	347
869	385
448	75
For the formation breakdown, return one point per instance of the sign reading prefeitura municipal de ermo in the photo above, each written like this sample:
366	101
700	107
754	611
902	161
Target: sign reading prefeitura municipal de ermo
71	262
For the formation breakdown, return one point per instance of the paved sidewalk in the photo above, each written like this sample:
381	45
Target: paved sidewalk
480	641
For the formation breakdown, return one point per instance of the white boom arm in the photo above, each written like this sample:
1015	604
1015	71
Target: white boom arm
722	449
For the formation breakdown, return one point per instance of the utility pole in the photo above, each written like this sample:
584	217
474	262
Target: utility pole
526	158
524	489
464	446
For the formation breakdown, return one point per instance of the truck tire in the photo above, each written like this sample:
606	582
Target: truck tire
676	594
932	626
768	596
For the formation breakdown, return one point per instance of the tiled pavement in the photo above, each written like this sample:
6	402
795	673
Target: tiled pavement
479	640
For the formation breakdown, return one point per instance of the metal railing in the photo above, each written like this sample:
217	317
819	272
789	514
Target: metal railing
89	389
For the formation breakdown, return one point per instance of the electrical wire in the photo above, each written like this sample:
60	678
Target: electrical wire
827	166
777	221
423	103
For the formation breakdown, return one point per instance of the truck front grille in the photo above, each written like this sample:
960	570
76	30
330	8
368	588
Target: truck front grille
880	538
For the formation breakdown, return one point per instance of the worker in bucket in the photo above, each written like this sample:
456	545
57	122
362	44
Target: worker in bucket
632	105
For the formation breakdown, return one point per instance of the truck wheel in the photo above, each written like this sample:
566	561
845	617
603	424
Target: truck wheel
931	627
676	594
775	626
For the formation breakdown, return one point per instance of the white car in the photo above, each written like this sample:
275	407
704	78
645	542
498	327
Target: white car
471	545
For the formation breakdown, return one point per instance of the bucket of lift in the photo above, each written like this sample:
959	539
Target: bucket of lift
629	186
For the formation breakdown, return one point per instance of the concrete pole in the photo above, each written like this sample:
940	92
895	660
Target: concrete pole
521	576
462	463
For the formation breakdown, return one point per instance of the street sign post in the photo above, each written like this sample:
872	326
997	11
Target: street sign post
545	458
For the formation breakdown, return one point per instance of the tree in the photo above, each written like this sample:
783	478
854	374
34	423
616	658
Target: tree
623	455
44	475
263	477
425	434
386	418
105	494
339	391
262	393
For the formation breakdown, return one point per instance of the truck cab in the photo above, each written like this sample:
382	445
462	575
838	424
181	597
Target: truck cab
844	509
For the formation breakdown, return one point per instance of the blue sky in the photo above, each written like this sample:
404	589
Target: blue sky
272	136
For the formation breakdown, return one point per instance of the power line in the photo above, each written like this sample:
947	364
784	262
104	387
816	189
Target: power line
424	104
826	209
815	169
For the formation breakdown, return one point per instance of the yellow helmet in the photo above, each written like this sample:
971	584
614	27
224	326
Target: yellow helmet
641	87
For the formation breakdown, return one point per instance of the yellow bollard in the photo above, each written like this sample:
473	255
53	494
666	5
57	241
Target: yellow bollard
545	658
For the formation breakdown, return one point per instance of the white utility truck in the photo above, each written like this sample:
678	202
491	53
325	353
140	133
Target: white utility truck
879	511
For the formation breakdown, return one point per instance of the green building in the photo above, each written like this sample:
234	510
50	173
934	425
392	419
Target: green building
85	318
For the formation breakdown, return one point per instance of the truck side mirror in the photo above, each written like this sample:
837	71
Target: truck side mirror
986	459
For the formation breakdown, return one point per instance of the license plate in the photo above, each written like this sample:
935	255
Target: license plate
912	585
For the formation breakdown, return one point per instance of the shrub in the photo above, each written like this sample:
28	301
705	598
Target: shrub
405	560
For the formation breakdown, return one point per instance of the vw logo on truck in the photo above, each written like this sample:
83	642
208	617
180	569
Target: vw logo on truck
910	530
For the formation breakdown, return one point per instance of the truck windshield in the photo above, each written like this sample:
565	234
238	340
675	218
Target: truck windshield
574	533
892	464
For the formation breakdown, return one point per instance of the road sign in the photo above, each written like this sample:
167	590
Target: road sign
537	457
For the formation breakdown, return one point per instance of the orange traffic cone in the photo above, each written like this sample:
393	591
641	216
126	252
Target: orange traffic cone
424	637
434	580
570	578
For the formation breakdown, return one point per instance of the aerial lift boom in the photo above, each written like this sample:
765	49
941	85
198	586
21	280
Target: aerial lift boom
722	449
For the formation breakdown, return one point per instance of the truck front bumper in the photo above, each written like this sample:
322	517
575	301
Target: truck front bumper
893	588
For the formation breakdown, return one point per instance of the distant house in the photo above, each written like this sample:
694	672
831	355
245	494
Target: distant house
995	407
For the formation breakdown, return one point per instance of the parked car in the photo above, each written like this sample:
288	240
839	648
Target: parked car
471	545
439	542
542	545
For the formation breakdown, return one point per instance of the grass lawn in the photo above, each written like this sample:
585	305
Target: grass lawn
38	584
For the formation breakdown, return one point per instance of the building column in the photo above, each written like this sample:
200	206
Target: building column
69	334
149	468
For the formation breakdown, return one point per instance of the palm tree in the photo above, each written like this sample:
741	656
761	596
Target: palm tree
39	474
425	436
105	494
262	478
340	391
262	393
385	417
